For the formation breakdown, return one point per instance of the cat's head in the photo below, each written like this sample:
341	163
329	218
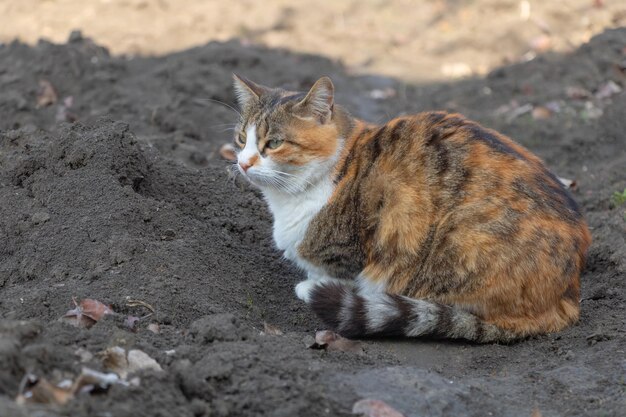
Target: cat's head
286	141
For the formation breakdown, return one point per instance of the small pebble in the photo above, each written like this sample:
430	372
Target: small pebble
40	217
169	234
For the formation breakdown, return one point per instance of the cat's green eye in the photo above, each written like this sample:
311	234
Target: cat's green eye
242	138
274	143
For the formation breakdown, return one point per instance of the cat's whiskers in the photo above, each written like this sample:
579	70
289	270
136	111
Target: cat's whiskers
274	179
228	129
291	176
233	171
290	183
220	102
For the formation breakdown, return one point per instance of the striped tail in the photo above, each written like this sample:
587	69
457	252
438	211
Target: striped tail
354	315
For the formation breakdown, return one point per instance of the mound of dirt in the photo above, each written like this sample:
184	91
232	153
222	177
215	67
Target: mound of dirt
131	202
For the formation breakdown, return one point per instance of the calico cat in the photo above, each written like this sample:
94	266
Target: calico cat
427	225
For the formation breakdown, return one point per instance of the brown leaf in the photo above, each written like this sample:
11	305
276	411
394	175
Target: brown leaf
536	413
324	337
86	313
541	113
271	330
114	359
76	318
39	390
331	341
346	345
228	152
94	309
46	95
375	408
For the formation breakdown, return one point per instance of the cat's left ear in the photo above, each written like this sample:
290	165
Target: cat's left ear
319	101
247	92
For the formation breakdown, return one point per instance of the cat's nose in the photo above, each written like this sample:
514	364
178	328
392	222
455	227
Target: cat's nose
244	166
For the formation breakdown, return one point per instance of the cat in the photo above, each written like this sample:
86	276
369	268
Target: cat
428	225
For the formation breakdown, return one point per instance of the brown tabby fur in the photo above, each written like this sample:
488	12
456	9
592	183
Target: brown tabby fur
441	209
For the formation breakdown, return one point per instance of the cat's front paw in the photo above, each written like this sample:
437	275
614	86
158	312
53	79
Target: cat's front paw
305	288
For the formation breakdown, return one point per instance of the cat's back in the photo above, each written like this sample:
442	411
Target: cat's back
443	160
436	175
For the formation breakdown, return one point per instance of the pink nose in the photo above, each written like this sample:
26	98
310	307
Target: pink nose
244	166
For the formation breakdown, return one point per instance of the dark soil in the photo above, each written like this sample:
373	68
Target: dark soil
132	200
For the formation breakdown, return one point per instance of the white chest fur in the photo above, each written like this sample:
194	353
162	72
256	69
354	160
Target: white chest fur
292	215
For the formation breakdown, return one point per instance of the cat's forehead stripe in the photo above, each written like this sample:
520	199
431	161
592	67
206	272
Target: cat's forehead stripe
251	134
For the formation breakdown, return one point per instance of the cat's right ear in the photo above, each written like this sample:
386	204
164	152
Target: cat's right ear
246	91
319	101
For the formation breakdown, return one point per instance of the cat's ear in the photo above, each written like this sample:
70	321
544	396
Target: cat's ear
319	101
246	91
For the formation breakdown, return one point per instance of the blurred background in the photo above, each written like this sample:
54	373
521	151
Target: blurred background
425	40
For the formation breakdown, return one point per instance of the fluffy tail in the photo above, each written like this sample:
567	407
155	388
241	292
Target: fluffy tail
379	314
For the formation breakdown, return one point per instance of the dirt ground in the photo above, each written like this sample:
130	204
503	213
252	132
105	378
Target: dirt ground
116	190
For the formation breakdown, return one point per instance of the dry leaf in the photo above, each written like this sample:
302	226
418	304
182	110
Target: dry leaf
541	113
46	95
331	341
375	408
536	413
90	380
114	359
228	152
138	303
86	313
324	337
130	322
271	330
39	390
123	363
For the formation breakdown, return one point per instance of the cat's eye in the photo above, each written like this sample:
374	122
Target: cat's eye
274	143
242	138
